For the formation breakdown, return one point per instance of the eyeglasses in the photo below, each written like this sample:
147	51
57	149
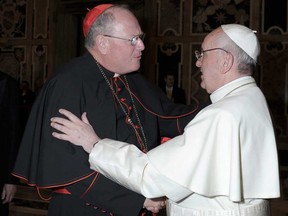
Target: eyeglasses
199	54
133	40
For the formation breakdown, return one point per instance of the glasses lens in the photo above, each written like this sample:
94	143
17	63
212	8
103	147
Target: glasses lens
134	40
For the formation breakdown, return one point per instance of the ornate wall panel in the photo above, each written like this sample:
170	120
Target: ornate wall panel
170	16
12	26
274	58
274	71
40	19
13	19
275	16
208	15
12	61
40	63
24	25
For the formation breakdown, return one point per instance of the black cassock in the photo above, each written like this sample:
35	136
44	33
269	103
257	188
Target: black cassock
47	162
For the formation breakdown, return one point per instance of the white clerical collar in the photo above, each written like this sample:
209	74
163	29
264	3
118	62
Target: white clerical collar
227	88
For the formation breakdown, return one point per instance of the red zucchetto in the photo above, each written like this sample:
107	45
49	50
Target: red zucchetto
92	15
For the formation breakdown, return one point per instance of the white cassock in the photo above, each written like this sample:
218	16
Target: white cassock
225	163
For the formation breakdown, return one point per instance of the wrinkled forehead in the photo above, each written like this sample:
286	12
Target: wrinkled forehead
213	39
124	14
126	21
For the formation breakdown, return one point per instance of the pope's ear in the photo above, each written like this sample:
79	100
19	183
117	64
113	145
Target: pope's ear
228	62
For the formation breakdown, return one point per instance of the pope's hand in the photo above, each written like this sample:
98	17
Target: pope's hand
75	130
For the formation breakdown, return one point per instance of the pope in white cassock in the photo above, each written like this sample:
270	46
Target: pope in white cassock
225	163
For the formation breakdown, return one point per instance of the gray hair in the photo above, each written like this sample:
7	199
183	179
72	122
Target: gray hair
246	64
102	25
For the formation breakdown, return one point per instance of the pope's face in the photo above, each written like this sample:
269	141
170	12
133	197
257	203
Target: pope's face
209	64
